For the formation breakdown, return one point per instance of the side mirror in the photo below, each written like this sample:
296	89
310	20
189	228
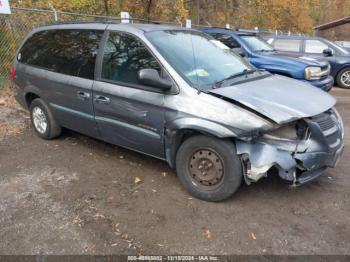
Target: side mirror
150	77
328	52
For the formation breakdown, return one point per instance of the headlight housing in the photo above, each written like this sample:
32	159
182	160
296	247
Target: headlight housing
340	121
313	73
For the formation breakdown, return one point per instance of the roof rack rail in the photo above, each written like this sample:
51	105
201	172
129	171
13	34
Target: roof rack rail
114	20
284	33
250	31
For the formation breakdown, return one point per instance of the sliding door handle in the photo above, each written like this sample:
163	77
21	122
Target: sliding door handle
102	100
83	95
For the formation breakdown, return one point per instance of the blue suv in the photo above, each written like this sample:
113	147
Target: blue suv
263	56
318	48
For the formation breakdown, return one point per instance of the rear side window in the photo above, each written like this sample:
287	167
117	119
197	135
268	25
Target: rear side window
124	56
227	40
289	45
71	52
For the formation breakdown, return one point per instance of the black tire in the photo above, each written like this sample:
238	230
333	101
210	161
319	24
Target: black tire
222	152
340	81
52	129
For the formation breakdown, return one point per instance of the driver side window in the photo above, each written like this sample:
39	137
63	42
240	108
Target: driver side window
124	55
315	46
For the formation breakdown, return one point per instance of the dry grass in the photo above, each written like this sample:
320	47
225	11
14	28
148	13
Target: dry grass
10	129
13	119
7	98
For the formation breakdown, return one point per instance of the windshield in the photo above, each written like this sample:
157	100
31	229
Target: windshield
197	57
337	47
256	44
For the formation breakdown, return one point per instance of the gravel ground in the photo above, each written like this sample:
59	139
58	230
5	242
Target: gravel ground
77	195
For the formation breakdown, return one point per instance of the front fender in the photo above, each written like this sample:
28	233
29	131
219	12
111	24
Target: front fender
203	126
178	129
341	67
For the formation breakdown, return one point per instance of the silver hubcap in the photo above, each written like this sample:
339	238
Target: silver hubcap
39	119
345	78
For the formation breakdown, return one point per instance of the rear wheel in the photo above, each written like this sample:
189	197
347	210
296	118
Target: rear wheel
43	121
343	78
209	168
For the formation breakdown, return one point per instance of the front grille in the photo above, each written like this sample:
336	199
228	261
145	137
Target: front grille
330	129
325	70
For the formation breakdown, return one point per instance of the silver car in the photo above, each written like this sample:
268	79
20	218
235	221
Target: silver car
177	95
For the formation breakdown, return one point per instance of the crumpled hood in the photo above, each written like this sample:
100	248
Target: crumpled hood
279	98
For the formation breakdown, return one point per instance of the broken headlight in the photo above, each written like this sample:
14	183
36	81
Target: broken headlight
294	131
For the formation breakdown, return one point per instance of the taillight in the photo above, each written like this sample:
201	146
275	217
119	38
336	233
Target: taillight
13	73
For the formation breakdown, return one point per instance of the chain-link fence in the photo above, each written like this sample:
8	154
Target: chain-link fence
14	27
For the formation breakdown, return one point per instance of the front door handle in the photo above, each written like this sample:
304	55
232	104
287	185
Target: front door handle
83	95
102	100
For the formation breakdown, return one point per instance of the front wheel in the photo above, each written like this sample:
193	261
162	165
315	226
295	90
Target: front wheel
343	78
209	168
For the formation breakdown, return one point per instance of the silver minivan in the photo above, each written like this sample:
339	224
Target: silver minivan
177	95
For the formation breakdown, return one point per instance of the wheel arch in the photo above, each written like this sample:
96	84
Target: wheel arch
182	129
347	65
341	69
31	93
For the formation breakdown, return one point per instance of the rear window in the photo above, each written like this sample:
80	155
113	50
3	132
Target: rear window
289	45
71	52
227	40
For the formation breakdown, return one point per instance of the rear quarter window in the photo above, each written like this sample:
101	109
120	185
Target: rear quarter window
71	52
289	45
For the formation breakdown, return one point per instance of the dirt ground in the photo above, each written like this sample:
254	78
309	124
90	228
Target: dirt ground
77	195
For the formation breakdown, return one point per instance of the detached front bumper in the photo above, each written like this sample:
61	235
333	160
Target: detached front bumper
325	84
296	161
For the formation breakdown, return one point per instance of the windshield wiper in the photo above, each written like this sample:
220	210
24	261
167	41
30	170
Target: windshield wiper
265	50
244	72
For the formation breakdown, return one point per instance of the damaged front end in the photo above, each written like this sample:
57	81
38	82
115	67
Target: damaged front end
300	150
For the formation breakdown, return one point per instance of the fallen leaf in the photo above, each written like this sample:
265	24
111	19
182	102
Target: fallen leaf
253	236
164	174
114	244
207	233
99	216
154	191
137	180
121	157
60	178
110	199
